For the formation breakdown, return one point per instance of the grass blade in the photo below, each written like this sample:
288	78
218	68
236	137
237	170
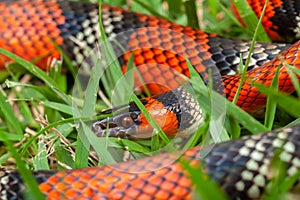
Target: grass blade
37	72
40	161
12	121
287	103
250	19
271	103
255	35
205	188
191	12
31	184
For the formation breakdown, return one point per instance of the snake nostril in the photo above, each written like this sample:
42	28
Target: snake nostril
112	125
98	127
102	125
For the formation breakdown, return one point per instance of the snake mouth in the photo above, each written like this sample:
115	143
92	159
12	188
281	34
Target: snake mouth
124	124
108	127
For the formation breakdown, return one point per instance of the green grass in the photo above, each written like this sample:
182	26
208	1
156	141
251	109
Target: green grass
30	93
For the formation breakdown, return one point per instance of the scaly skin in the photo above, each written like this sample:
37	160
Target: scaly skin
179	106
240	167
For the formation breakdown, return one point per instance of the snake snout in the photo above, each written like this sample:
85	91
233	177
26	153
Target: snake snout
122	125
102	128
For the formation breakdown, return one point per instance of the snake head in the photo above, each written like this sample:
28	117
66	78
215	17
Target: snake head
173	112
126	122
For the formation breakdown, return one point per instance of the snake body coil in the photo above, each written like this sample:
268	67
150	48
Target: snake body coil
240	167
160	48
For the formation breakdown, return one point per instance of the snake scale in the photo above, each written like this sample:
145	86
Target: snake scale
240	167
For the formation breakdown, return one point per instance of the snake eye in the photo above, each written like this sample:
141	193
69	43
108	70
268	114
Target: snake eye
127	122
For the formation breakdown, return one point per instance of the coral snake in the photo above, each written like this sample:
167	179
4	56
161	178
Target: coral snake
240	167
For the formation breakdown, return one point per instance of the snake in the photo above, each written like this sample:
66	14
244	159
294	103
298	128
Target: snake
31	29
